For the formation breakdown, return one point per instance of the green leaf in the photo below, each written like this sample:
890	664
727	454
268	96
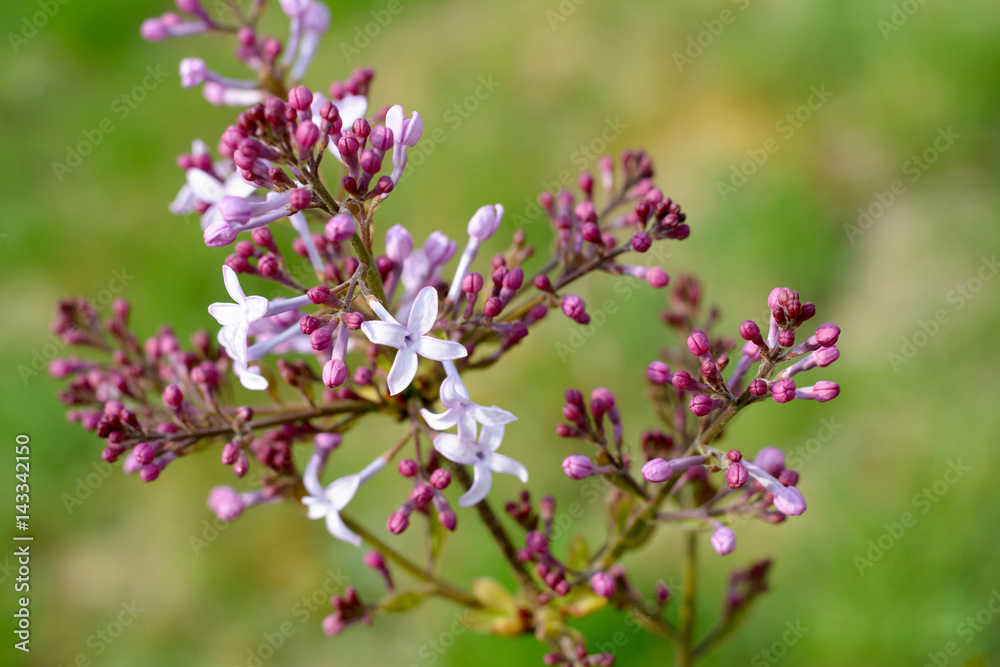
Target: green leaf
402	602
493	595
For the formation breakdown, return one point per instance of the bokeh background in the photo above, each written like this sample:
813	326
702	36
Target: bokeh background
898	76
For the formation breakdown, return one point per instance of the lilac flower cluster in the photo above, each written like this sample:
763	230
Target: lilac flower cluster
380	326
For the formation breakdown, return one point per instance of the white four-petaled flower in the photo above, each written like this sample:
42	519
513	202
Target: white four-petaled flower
455	397
411	339
236	318
480	453
330	501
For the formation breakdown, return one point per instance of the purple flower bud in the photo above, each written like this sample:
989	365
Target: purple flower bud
751	332
786	338
827	334
701	405
681	380
641	242
306	134
229	453
173	396
573	306
144	453
826	355
320	339
300	97
334	373
149	472
440	479
783	390
591	233
658	372
381	138
374	560
657	277
542	283
822	391
603	584
448	518
485	221
723	540
421	495
398	522
657	470
790	502
736	476
514	279
348	145
408	467
492	307
226	502
697	343
577	466
340	228
789	477
472	283
734	455
398	243
537	542
771	460
352	321
758	388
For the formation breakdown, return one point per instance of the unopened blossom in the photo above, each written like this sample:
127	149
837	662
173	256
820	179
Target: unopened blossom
482	225
411	340
466	449
406	133
327	503
787	499
723	539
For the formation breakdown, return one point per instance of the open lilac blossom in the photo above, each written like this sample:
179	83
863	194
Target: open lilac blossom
327	503
464	448
237	317
411	340
205	188
455	397
315	22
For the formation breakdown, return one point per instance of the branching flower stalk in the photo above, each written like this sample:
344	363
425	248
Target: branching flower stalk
411	328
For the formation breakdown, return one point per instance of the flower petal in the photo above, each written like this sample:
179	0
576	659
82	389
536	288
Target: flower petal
492	416
318	508
352	107
424	312
481	483
509	466
340	530
340	491
393	121
310	477
440	350
233	284
205	186
404	369
227	314
256	307
235	186
442	421
451	394
491	437
238	340
251	378
385	333
450	447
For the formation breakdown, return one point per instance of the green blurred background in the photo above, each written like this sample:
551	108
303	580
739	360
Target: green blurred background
898	75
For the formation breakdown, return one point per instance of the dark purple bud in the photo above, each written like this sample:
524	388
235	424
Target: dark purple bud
230	451
591	233
306	134
398	522
421	495
381	138
149	472
472	283
575	397
789	477
441	479
300	97
408	468
697	343
641	242
758	388
300	198
786	338
736	476
827	334
352	321
348	145
537	542
681	379
783	390
514	279
701	405
492	307
320	339
542	283
173	395
734	455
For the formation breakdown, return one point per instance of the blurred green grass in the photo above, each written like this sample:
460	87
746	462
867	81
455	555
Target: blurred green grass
558	87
